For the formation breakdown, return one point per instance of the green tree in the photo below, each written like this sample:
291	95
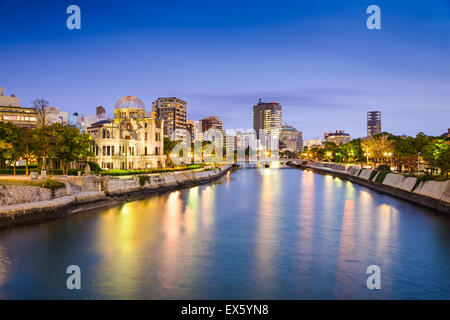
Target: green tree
12	138
41	107
68	144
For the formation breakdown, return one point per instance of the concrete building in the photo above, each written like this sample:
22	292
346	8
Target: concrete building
54	115
210	123
130	141
267	117
338	137
11	111
86	121
311	143
173	111
190	127
373	123
291	138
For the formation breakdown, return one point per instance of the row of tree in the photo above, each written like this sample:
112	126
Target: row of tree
65	143
385	148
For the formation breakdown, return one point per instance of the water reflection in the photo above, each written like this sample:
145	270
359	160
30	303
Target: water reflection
267	227
255	234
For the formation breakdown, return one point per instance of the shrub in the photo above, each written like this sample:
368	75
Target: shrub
53	185
380	177
373	174
420	179
384	167
94	166
143	180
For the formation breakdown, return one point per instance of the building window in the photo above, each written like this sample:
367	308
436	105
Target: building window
146	136
145	125
104	133
108	150
104	151
112	150
145	150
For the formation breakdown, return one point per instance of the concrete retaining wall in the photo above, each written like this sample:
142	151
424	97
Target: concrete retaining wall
86	183
354	171
434	189
39	211
399	181
365	174
11	195
431	194
118	186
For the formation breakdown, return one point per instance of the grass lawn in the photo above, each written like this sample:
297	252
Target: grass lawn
117	172
48	184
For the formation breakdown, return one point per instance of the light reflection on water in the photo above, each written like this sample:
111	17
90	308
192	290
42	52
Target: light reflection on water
275	234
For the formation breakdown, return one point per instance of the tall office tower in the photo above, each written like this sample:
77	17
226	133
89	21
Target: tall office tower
373	123
173	111
267	116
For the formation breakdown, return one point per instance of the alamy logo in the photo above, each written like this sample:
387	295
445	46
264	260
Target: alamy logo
74	20
74	280
374	280
374	20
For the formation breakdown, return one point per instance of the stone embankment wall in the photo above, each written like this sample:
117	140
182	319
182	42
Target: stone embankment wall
41	205
11	195
114	186
432	194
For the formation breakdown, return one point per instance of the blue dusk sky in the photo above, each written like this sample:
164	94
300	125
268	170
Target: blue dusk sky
316	58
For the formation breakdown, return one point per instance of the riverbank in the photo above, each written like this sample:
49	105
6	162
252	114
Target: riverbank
88	192
431	194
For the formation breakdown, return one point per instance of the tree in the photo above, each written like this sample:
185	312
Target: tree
404	151
366	148
41	106
26	139
443	161
68	144
13	148
436	154
381	146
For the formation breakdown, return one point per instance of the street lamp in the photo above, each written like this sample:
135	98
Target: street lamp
367	154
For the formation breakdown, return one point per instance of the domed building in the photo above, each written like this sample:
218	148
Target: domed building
130	141
129	107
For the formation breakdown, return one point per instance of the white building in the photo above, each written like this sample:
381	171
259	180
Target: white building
130	141
54	115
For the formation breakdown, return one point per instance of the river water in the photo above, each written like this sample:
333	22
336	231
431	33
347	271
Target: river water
253	234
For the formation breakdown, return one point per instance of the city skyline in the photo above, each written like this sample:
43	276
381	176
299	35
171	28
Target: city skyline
312	59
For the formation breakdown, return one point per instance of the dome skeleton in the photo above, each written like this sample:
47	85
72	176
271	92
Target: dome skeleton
130	102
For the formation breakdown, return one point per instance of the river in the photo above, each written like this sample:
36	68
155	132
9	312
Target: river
253	234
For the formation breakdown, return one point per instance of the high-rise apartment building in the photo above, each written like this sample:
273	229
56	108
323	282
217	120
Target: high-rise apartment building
373	123
190	126
267	117
210	123
173	111
292	138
